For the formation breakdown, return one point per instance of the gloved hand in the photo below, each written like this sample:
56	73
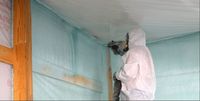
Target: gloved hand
117	88
114	76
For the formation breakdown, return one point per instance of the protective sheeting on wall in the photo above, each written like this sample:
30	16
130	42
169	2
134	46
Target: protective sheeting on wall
67	63
116	62
6	81
176	65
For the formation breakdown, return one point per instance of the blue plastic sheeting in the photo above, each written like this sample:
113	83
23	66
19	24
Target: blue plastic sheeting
46	88
116	62
178	87
178	55
177	67
61	51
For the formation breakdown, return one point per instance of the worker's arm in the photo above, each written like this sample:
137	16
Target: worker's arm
129	70
117	88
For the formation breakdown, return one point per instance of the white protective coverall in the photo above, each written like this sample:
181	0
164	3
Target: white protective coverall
137	74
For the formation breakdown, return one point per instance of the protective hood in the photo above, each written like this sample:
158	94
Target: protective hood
137	38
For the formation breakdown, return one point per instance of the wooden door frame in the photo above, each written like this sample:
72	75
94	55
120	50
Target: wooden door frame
20	56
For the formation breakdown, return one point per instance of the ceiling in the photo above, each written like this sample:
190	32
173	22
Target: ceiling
111	19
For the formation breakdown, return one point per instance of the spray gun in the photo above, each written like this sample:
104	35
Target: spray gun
119	47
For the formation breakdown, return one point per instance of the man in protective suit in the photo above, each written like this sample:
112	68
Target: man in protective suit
137	75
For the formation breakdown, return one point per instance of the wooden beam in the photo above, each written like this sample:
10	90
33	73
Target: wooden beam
109	76
22	49
6	55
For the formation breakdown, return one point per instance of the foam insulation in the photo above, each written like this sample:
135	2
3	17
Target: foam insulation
111	19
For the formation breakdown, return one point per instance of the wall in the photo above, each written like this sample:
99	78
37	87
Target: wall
176	63
61	51
177	67
116	62
68	64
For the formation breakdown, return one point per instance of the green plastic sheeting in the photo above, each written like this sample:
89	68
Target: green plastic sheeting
177	67
60	50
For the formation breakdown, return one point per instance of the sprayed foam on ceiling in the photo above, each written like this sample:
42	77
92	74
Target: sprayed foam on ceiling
111	19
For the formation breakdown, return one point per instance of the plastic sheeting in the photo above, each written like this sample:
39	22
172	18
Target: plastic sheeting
6	82
6	23
67	63
111	19
177	67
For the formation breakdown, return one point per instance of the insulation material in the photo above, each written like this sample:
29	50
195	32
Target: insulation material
161	18
112	19
5	23
67	62
6	82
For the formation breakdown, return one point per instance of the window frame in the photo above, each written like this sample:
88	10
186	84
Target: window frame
20	55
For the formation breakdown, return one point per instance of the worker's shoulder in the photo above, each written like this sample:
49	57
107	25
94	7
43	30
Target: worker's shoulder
138	49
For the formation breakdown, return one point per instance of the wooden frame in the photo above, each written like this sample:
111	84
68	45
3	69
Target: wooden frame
20	55
6	55
109	75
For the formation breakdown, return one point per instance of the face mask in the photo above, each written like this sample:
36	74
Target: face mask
118	47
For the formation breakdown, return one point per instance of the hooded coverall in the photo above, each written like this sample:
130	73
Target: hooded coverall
137	74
